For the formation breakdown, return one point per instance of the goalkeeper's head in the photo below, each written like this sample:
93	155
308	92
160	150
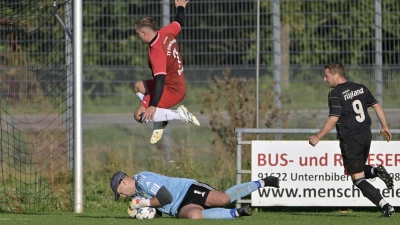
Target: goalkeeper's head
115	181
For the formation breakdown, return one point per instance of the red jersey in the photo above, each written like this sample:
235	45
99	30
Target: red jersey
164	58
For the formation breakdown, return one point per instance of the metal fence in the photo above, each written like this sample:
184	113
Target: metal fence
297	38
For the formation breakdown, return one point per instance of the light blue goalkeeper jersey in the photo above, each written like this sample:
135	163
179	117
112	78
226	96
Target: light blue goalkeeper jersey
148	184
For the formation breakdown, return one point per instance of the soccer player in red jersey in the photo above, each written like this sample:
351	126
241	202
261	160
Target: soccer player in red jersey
167	88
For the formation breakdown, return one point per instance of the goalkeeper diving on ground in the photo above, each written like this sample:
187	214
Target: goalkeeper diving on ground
184	197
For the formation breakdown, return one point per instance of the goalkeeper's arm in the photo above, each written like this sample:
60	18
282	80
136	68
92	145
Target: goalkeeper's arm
163	197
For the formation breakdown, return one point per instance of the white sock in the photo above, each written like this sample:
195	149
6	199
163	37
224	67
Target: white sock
140	96
262	183
166	115
382	203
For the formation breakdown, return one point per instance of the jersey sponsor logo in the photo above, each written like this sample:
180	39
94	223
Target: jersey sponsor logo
173	41
180	71
351	94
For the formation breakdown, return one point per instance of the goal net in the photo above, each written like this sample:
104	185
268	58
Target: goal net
36	139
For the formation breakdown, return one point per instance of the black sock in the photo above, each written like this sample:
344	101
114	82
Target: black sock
369	191
368	172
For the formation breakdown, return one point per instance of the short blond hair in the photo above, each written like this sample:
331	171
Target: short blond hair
146	22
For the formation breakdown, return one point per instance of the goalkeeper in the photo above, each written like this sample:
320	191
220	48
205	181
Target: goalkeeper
184	197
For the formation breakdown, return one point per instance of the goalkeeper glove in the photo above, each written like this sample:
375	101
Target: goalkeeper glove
132	212
139	203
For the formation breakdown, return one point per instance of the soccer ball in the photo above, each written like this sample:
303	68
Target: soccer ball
145	213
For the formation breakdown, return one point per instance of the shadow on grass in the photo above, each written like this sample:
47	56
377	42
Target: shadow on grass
104	217
117	217
308	214
318	209
326	211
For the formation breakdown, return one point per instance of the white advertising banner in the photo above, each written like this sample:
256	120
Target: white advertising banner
314	176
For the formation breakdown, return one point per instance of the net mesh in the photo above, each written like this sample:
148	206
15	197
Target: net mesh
36	103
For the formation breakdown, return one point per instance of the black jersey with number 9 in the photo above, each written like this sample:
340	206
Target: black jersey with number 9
349	101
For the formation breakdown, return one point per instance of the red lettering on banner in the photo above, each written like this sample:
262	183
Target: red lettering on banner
283	158
384	159
337	160
370	156
379	159
388	160
271	160
314	161
261	160
323	161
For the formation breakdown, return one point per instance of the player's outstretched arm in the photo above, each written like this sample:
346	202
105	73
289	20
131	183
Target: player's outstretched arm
328	126
181	3
163	197
180	13
381	115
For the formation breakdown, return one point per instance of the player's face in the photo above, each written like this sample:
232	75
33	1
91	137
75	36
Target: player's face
126	190
330	78
141	34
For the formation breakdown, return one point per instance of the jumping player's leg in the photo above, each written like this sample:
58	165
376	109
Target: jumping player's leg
163	114
144	91
140	88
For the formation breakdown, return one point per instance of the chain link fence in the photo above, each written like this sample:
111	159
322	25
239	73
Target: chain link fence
218	35
296	40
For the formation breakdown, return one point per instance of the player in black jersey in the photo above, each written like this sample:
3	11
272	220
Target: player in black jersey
348	104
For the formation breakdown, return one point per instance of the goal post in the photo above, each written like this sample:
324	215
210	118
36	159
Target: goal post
37	102
78	136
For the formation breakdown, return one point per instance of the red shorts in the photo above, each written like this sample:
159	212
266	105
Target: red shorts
167	100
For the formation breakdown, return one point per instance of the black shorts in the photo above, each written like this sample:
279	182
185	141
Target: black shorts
197	194
355	151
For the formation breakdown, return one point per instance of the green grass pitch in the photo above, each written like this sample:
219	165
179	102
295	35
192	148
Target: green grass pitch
333	217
